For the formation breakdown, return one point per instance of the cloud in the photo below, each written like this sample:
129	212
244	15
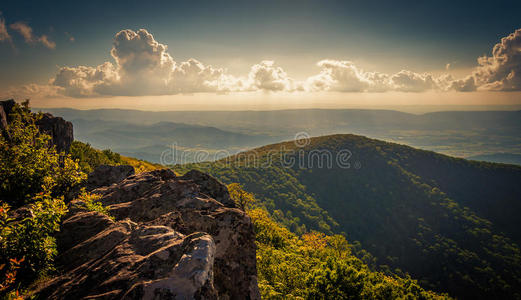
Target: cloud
70	37
4	35
341	76
268	77
407	81
32	90
467	84
143	66
27	33
344	76
502	70
499	72
46	42
83	81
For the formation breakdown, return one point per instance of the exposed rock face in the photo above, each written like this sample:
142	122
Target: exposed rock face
105	175
5	109
170	239
60	130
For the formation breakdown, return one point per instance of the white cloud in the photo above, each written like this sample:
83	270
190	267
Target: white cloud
268	77
192	76
501	71
341	76
84	81
143	66
344	76
27	33
407	81
467	84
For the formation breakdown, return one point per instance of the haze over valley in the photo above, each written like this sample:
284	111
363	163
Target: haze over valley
483	135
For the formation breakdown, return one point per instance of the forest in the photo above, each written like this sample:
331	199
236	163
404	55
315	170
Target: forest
449	223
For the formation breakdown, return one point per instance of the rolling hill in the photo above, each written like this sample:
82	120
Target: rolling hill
149	141
451	223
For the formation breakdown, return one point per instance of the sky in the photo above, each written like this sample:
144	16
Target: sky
189	55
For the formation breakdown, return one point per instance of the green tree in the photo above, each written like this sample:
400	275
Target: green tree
29	163
35	176
242	199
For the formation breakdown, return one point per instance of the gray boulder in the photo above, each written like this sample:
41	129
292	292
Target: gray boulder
105	175
168	239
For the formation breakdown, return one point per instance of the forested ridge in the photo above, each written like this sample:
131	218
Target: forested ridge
450	223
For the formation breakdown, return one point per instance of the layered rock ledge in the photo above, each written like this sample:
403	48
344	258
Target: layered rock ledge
167	237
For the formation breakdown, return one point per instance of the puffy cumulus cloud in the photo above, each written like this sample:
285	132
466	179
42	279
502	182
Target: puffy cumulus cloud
344	76
407	81
138	54
27	33
142	67
192	76
268	77
341	76
467	84
85	81
502	70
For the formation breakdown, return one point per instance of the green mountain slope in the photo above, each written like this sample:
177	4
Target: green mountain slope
317	266
448	222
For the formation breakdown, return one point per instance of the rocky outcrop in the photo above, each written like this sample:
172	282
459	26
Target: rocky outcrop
106	175
169	238
61	131
5	109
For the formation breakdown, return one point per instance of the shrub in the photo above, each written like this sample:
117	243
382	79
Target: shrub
29	164
33	175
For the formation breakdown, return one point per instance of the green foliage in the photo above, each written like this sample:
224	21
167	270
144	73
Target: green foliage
242	199
450	223
90	158
91	202
35	176
29	165
281	193
316	266
31	237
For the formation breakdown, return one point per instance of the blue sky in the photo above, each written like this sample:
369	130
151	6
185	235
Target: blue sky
377	36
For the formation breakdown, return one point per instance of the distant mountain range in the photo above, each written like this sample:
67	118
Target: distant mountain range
505	158
451	223
456	133
151	141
